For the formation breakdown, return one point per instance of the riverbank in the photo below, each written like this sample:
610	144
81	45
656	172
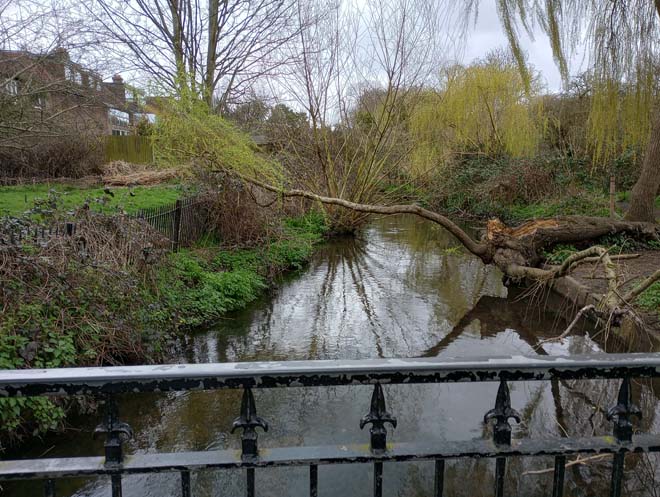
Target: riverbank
516	190
587	285
63	309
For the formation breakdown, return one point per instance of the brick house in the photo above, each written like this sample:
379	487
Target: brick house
52	92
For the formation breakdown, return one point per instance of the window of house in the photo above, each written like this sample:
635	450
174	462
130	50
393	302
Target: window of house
40	102
147	116
11	87
68	73
119	132
118	117
77	77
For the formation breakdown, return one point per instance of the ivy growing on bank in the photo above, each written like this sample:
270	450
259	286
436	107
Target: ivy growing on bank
79	314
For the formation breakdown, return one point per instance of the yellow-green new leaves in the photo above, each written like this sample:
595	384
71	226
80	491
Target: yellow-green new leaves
482	108
187	132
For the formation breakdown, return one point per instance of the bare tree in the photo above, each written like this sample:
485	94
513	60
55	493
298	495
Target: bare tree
359	66
212	47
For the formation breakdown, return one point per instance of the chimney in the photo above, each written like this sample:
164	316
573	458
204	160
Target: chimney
117	88
60	54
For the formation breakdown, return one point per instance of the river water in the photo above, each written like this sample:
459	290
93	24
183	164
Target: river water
402	289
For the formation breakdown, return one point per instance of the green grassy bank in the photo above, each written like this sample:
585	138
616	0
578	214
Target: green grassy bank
15	200
515	190
66	312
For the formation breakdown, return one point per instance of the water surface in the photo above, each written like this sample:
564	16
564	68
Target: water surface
403	289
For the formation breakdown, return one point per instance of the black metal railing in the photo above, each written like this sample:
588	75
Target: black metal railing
107	382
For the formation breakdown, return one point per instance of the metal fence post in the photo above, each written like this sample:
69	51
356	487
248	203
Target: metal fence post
177	225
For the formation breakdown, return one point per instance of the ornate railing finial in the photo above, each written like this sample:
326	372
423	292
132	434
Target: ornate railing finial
502	413
378	416
622	411
116	432
248	421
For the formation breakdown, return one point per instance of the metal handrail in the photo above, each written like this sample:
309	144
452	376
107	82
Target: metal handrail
210	376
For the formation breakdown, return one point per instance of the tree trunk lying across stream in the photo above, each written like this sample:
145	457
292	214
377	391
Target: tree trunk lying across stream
516	251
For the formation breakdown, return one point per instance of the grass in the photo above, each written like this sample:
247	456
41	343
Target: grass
198	286
584	203
77	315
650	299
15	200
625	197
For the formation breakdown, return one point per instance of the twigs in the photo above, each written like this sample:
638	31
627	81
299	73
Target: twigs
570	327
578	460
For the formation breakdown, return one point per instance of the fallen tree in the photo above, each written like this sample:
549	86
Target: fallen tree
516	251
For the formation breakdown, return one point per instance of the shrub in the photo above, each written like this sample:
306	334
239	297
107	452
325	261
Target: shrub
68	156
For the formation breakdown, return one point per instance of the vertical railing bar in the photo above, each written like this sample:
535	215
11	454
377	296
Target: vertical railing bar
49	488
439	478
250	482
617	474
313	480
558	478
378	479
115	483
500	469
185	484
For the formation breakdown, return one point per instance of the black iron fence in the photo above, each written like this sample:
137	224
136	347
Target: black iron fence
183	222
107	382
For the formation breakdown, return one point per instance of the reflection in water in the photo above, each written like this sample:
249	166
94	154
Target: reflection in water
395	292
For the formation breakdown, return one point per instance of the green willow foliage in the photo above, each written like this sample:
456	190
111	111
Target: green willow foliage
188	131
483	108
621	40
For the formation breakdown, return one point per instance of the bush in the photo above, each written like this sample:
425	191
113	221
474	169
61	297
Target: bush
650	299
516	189
68	156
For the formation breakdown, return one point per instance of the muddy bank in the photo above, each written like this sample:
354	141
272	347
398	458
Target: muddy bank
588	284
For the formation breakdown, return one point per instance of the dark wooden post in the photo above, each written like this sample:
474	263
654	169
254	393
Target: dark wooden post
612	196
177	225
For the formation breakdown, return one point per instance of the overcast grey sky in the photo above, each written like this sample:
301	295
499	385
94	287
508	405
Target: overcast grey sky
488	34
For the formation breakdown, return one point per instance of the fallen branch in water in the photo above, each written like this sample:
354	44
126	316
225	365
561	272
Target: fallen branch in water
517	252
577	317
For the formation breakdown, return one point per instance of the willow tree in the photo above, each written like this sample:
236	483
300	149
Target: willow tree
622	40
484	108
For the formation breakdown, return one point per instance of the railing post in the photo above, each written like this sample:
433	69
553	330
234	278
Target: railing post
378	416
177	225
248	421
116	433
623	430
502	430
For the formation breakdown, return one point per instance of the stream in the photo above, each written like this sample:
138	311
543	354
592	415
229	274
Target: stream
404	288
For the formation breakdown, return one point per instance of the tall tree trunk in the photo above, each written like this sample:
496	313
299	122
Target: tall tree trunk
177	42
642	200
211	52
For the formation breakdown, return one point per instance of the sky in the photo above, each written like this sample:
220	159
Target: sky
488	34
